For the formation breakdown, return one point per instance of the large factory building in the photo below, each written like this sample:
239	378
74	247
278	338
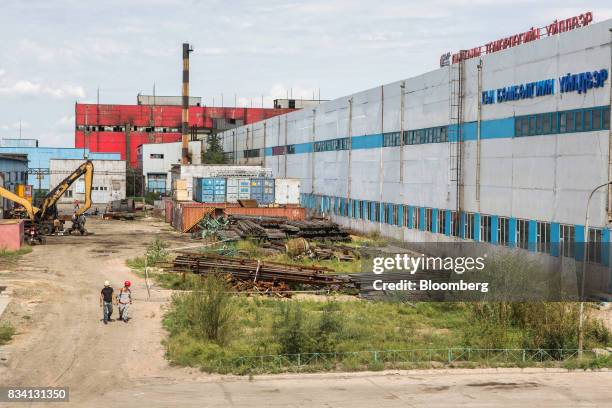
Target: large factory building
108	128
502	144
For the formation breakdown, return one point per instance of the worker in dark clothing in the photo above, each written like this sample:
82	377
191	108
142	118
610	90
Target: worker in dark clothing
106	302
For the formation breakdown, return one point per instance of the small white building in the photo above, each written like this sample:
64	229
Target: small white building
109	181
156	160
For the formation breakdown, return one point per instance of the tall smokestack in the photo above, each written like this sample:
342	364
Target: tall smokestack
185	124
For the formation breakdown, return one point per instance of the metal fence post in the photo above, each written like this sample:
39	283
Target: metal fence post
299	361
450	355
376	356
523	355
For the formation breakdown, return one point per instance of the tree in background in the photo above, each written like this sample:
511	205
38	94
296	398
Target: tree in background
214	153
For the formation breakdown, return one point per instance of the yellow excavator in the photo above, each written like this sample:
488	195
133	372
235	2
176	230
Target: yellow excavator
43	218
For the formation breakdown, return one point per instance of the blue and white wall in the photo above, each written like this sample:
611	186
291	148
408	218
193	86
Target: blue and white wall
40	157
534	184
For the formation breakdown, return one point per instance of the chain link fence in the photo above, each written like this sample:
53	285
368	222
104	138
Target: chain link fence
381	359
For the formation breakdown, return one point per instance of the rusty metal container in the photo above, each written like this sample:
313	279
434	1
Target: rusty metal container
169	210
294	214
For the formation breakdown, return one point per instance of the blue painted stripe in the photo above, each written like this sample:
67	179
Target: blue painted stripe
555	236
494	229
532	236
447	222
367	142
434	221
512	232
476	227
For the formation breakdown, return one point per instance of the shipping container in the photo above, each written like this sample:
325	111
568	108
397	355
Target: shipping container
262	190
169	210
209	190
286	191
291	213
238	189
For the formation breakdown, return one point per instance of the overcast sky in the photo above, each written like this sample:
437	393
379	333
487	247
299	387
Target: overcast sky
54	53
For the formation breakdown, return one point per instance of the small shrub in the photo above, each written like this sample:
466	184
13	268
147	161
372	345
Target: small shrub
156	251
208	312
330	328
290	329
6	333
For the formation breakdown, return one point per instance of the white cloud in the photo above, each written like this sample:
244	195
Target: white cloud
66	122
29	88
15	126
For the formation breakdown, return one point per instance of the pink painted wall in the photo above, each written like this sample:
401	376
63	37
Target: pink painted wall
11	234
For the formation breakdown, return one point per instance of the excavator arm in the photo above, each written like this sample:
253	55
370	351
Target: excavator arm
86	169
30	209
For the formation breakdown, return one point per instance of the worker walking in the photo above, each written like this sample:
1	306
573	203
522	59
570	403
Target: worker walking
124	300
106	301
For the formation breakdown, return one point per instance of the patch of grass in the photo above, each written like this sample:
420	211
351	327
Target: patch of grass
589	363
7	256
268	327
6	333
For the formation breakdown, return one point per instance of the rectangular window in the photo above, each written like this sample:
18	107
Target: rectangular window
570	122
469	226
566	240
606	119
546	124
517	127
532	125
522	234
395	214
444	134
587	119
440	224
555	122
454	227
405	216
578	121
594	247
251	153
366	211
428	219
596	119
69	193
416	217
290	149
156	156
524	126
377	212
543	237
539	119
562	122
485	228
503	232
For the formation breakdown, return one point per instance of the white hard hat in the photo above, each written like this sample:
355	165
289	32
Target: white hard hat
106	283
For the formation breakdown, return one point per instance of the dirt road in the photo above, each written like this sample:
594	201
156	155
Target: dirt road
62	342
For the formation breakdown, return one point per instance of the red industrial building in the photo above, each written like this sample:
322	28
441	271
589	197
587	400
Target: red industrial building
122	128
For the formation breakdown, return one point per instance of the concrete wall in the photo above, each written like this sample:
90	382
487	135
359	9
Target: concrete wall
545	178
109	181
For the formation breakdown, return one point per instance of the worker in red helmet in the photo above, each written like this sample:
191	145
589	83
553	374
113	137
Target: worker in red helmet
124	300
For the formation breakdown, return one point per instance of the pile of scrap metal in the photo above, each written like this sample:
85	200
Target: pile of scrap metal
253	275
280	228
300	248
120	210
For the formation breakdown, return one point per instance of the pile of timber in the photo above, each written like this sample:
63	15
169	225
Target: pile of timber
280	228
246	270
